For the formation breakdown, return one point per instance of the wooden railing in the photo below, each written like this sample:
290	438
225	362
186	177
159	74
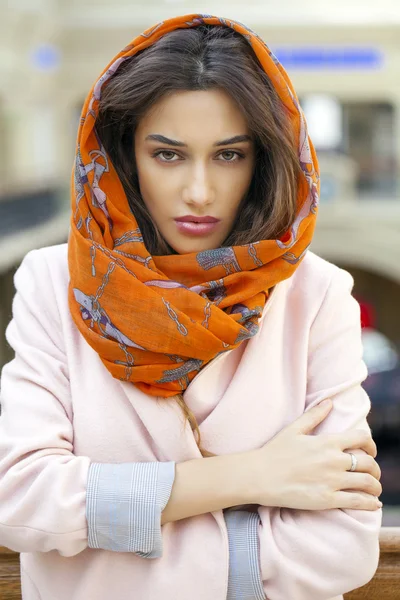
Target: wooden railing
385	584
10	588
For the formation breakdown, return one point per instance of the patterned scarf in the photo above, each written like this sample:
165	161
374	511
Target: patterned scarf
157	320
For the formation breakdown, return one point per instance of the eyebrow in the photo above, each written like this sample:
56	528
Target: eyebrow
164	140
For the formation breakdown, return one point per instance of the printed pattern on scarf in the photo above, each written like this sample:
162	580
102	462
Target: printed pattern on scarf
157	320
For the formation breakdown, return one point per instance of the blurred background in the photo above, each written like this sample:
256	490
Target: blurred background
344	61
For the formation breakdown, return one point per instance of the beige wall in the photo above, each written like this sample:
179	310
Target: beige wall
90	32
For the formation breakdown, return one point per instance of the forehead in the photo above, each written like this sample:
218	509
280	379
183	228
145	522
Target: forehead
193	114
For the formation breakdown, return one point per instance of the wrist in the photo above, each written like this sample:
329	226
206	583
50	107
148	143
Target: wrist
247	477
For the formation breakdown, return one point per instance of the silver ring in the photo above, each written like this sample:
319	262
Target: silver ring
353	462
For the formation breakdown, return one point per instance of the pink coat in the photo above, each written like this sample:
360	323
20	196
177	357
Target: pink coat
61	409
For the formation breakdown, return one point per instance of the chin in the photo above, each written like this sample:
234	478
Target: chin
197	245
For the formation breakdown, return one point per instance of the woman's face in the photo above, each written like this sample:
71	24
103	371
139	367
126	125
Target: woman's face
195	158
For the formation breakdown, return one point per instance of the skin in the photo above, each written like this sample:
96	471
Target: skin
199	178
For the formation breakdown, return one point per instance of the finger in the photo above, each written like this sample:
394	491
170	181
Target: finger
356	501
355	438
365	464
312	417
361	482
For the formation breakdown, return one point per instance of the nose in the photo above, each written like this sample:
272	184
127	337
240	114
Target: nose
199	189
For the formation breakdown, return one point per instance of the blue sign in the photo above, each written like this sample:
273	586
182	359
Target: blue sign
46	57
321	57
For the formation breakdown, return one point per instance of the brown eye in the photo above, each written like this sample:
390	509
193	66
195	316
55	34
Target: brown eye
231	156
165	155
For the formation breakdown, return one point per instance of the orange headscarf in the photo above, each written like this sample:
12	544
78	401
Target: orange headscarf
157	320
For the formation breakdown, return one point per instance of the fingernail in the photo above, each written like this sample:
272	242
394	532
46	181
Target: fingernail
324	402
379	504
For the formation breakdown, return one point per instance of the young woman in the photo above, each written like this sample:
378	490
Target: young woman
162	433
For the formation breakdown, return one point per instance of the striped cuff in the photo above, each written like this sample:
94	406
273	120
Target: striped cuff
124	502
245	581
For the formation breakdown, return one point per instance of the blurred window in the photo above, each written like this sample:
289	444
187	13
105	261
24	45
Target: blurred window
369	138
365	135
325	121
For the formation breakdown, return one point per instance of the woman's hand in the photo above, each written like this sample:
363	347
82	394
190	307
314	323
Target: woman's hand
310	472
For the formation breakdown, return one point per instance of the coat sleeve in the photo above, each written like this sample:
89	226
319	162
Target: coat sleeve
42	484
323	554
51	499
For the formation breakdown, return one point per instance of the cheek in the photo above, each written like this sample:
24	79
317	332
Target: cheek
235	185
149	185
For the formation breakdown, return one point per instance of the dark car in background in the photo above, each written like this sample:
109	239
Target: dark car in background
383	387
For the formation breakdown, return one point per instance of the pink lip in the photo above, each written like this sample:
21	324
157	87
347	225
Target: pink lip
190	228
194	219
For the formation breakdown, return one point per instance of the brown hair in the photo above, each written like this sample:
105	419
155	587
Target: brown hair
203	58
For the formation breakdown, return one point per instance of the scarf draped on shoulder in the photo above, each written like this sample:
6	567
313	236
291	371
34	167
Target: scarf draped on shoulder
157	320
